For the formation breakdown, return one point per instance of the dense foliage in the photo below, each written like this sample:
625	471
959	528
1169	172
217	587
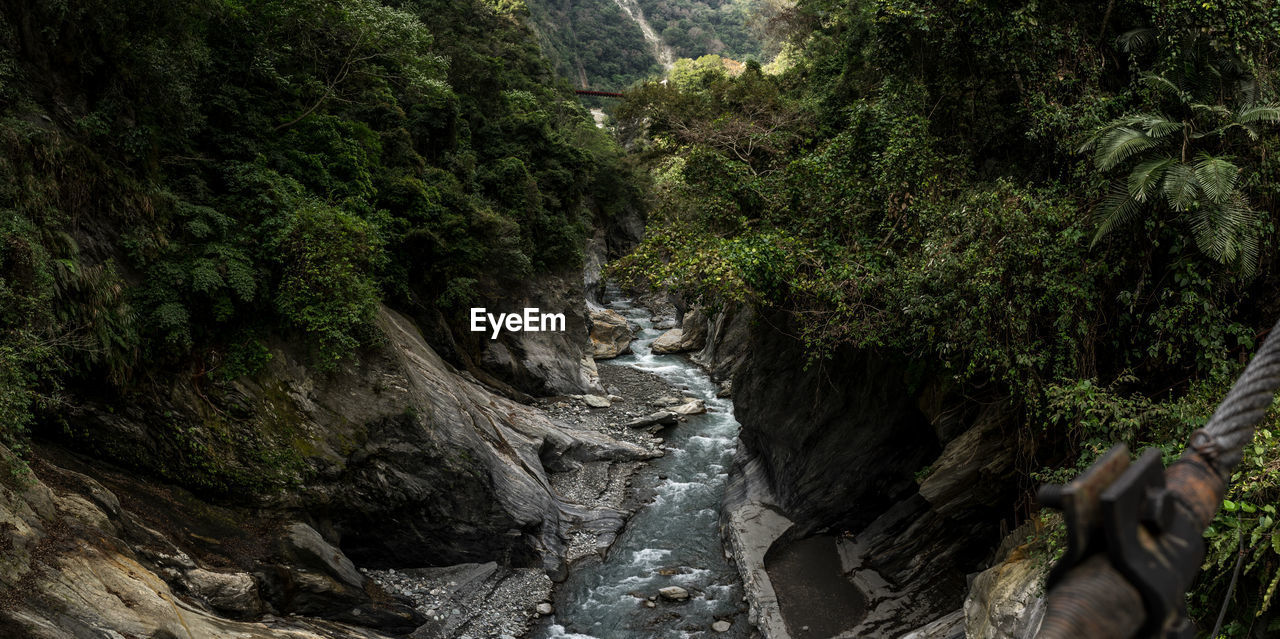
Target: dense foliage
1068	207
599	45
179	180
694	28
593	43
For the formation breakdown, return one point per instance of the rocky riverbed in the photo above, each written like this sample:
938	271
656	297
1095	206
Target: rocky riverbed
486	600
666	574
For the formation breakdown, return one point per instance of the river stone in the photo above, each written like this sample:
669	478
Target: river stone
692	407
673	593
721	626
545	609
309	551
670	342
662	417
596	401
610	334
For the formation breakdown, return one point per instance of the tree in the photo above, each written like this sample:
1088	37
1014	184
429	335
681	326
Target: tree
1187	157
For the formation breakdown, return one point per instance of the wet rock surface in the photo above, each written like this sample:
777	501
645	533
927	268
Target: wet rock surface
816	599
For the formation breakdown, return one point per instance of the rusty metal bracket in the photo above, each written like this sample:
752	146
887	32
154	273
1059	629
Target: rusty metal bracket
1124	511
1081	506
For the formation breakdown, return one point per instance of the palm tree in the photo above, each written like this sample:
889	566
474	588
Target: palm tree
1184	158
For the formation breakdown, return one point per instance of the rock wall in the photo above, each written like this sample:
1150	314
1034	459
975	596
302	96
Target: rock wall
728	337
393	461
532	363
870	449
86	561
840	440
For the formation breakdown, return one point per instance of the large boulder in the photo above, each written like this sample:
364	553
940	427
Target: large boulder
610	334
691	336
670	342
1006	601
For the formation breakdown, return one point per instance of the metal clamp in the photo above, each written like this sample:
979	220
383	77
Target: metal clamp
1147	532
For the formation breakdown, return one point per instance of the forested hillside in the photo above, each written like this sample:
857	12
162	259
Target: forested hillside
593	43
1068	208
599	43
729	28
180	181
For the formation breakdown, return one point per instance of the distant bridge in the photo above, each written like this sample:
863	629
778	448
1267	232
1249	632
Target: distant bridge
603	94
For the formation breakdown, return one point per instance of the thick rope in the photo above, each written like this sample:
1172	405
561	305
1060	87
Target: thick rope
1231	427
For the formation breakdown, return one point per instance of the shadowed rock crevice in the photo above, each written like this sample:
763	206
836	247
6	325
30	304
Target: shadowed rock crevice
873	453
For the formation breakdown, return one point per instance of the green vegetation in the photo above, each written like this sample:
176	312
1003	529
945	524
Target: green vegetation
694	28
593	43
1070	208
180	180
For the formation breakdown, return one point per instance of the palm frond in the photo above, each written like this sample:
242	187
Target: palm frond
1227	232
1163	85
1159	126
1136	40
1131	120
1180	187
1119	145
1268	113
1117	209
1254	129
1211	109
1216	177
1146	178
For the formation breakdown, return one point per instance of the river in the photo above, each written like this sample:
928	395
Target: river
674	540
